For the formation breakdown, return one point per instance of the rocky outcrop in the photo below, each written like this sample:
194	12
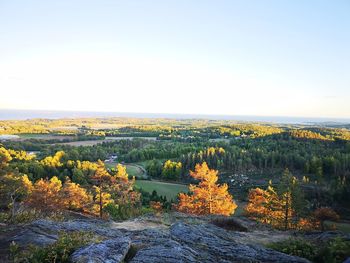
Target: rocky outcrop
181	242
109	251
215	244
169	251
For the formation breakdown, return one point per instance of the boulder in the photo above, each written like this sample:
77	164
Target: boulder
108	251
169	251
36	237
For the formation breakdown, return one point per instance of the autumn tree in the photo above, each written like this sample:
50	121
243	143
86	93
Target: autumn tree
125	199
207	197
171	170
101	200
5	157
260	203
75	197
121	172
46	195
102	181
281	208
53	161
266	206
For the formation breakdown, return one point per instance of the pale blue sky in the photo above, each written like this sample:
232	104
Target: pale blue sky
284	58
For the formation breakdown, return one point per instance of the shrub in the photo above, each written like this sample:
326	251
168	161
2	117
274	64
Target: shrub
334	251
59	251
337	250
156	206
295	247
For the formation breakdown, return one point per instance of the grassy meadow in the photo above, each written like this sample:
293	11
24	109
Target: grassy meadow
170	190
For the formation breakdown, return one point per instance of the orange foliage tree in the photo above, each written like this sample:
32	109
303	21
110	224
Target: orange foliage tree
207	197
282	208
75	197
259	204
49	195
268	207
46	195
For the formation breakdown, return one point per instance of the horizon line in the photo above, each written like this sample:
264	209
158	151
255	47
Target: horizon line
174	115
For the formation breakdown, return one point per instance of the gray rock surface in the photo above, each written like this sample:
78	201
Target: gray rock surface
109	251
44	232
181	242
169	251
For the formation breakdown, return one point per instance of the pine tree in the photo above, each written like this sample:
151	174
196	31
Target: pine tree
207	197
102	180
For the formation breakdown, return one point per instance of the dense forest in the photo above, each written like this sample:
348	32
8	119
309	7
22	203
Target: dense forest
319	155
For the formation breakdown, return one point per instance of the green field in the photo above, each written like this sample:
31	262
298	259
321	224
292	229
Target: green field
131	169
169	190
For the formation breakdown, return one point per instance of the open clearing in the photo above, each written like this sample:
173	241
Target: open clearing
170	190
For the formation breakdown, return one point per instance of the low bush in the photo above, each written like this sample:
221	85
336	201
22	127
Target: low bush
59	251
296	247
334	251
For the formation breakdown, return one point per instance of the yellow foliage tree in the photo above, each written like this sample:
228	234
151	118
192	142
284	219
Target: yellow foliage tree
103	181
102	199
121	172
207	197
5	157
123	189
53	161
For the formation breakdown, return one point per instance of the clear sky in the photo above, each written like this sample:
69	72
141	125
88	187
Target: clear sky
280	58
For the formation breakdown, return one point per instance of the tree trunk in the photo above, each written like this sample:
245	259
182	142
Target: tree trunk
286	214
210	201
101	202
